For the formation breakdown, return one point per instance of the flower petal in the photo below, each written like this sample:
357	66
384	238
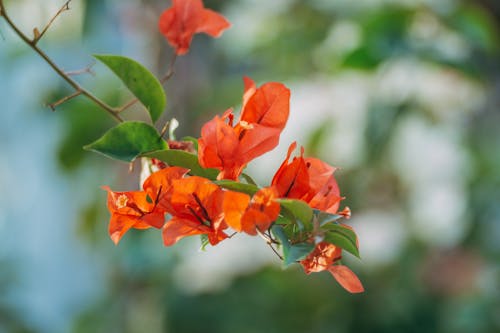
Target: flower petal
218	147
212	23
321	258
234	206
159	184
257	141
346	278
268	106
185	18
128	203
178	228
292	179
262	212
249	90
119	225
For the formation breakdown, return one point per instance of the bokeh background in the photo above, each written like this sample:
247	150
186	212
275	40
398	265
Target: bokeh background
403	95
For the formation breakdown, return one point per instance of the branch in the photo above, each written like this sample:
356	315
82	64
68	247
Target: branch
269	241
164	129
32	43
170	70
275	251
64	99
38	35
87	69
127	105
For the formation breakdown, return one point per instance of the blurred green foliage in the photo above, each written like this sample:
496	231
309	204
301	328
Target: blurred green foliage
85	123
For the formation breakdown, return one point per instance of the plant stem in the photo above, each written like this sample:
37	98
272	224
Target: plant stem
39	35
86	70
170	70
57	69
269	241
65	99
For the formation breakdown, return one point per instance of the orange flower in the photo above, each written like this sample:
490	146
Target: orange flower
141	209
267	106
308	179
250	216
158	186
323	257
229	148
187	17
131	210
195	204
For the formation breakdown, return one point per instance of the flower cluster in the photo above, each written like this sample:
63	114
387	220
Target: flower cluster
200	188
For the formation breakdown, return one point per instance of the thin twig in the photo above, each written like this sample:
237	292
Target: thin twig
164	129
273	240
85	70
269	241
56	68
263	236
274	250
64	99
39	35
127	105
170	72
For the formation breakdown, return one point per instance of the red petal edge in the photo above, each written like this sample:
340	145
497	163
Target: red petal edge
346	278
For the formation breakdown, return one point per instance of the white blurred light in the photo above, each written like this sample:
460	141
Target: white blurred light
446	93
250	23
425	154
433	166
343	37
439	213
381	235
216	267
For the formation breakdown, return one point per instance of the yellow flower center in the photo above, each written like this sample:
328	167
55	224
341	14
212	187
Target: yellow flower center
246	125
121	201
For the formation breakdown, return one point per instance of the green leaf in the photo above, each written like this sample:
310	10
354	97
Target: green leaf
139	80
298	252
279	232
325	218
128	140
342	237
289	219
291	253
282	220
248	179
237	186
290	225
183	159
204	242
299	209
